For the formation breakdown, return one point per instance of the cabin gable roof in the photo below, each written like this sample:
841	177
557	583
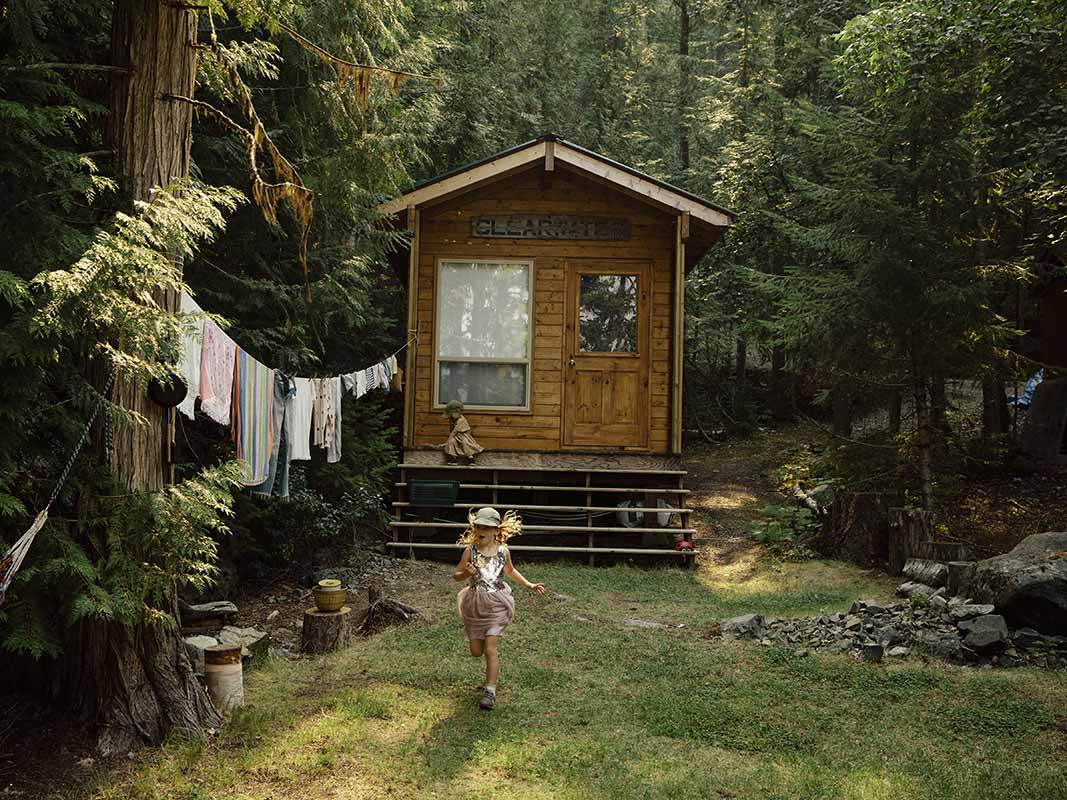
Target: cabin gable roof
551	150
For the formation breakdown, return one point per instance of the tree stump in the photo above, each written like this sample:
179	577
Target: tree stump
326	631
960	575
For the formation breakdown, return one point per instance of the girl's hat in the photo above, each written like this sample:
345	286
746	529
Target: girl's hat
453	405
487	518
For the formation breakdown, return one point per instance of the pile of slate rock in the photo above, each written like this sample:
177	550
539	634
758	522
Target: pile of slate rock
210	624
1027	587
952	629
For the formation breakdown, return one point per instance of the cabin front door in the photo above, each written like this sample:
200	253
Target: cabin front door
605	353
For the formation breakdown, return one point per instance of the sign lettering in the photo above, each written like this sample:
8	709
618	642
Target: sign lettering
549	226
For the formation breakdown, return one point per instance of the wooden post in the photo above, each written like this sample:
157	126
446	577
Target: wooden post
550	156
224	676
326	631
678	342
410	359
589	517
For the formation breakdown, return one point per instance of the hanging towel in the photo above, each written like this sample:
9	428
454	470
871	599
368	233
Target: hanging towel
298	421
348	382
216	373
372	378
361	383
253	398
192	339
394	365
277	481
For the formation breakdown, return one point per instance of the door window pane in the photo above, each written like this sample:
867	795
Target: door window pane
607	314
483	311
482	384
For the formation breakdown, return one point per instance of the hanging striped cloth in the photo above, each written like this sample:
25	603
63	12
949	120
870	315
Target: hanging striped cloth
12	559
253	396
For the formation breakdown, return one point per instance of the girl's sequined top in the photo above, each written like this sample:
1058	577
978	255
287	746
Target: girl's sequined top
490	570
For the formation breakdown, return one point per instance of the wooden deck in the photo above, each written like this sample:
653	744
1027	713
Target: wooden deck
573	507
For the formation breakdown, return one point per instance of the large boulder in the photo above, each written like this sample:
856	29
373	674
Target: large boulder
741	627
988	632
1028	585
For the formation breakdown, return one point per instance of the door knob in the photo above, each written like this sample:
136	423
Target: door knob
571	362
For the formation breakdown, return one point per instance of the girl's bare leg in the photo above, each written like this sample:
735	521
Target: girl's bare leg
492	660
477	646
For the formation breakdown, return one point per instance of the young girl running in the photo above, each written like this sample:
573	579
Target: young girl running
485	604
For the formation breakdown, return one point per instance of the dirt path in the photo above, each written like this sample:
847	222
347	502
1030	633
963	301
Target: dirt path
731	482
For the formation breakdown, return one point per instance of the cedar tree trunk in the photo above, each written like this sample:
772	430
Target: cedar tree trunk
136	682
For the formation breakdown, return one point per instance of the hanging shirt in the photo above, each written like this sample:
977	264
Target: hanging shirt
361	383
348	382
253	397
333	421
372	378
326	416
298	421
192	340
217	357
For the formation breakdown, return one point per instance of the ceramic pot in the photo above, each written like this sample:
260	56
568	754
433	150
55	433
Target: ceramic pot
330	597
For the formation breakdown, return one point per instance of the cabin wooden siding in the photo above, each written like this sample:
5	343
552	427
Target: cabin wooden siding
444	233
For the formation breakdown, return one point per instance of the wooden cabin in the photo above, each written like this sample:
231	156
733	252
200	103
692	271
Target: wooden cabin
545	289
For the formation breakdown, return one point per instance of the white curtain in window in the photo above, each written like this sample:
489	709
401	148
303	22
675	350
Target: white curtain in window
483	311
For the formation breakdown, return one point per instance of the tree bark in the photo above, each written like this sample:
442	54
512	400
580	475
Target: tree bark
683	84
841	404
151	138
896	403
741	359
995	416
924	442
137	682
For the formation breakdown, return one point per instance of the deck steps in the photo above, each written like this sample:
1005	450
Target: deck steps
582	509
561	504
557	488
547	529
644	551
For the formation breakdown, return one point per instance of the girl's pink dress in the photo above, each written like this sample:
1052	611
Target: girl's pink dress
486	604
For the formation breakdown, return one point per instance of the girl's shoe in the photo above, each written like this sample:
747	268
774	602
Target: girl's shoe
488	700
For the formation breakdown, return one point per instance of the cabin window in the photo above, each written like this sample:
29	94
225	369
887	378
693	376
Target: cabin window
607	314
483	334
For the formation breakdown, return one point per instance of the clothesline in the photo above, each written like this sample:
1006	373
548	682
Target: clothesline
264	406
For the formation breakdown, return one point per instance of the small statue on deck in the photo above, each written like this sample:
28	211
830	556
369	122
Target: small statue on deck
461	446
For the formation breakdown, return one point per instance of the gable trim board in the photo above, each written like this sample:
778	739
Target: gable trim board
550	150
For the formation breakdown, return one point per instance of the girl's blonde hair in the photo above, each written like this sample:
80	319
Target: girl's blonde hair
510	525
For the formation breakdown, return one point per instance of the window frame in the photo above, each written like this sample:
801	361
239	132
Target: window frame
527	362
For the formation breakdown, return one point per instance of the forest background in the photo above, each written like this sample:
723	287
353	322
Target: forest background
900	170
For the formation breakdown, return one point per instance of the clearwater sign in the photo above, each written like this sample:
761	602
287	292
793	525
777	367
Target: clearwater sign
549	226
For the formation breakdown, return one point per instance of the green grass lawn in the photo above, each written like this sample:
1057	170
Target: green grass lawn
597	709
